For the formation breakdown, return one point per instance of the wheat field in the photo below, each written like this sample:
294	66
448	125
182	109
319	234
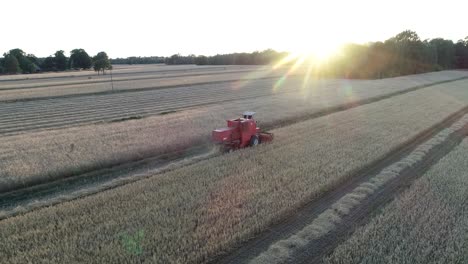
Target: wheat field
192	213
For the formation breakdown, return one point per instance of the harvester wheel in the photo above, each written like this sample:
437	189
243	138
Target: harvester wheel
254	140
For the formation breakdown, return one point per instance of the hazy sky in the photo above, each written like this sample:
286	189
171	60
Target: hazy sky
155	27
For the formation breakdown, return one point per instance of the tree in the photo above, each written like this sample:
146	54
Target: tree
32	58
101	62
61	61
410	54
445	50
26	63
49	64
79	59
201	60
11	64
407	36
174	59
461	54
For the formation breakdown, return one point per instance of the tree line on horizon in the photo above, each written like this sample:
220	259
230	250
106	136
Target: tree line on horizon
265	57
402	54
17	61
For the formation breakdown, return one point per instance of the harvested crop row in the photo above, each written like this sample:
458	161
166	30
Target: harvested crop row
139	82
193	213
19	120
282	251
156	76
38	157
24	116
120	70
41	91
63	112
425	224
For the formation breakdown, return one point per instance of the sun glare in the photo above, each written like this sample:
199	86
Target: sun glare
311	54
306	55
318	52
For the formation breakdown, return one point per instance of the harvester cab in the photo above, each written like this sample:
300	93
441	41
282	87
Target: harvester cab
240	133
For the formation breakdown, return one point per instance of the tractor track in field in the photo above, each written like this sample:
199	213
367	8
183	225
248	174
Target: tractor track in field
92	182
96	176
316	250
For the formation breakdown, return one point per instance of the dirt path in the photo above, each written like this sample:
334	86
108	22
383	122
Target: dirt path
317	249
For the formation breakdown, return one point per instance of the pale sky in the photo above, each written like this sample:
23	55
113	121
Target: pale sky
163	28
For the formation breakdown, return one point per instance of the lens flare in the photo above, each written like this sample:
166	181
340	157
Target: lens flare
299	62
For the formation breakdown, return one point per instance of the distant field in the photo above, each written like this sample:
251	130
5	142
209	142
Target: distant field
144	78
120	70
193	213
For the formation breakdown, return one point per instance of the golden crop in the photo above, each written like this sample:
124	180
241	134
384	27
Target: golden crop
35	157
192	213
425	224
326	221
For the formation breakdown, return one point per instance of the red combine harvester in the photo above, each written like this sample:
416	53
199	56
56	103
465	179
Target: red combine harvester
240	133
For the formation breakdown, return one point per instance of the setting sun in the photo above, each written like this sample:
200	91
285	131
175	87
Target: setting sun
317	51
310	54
